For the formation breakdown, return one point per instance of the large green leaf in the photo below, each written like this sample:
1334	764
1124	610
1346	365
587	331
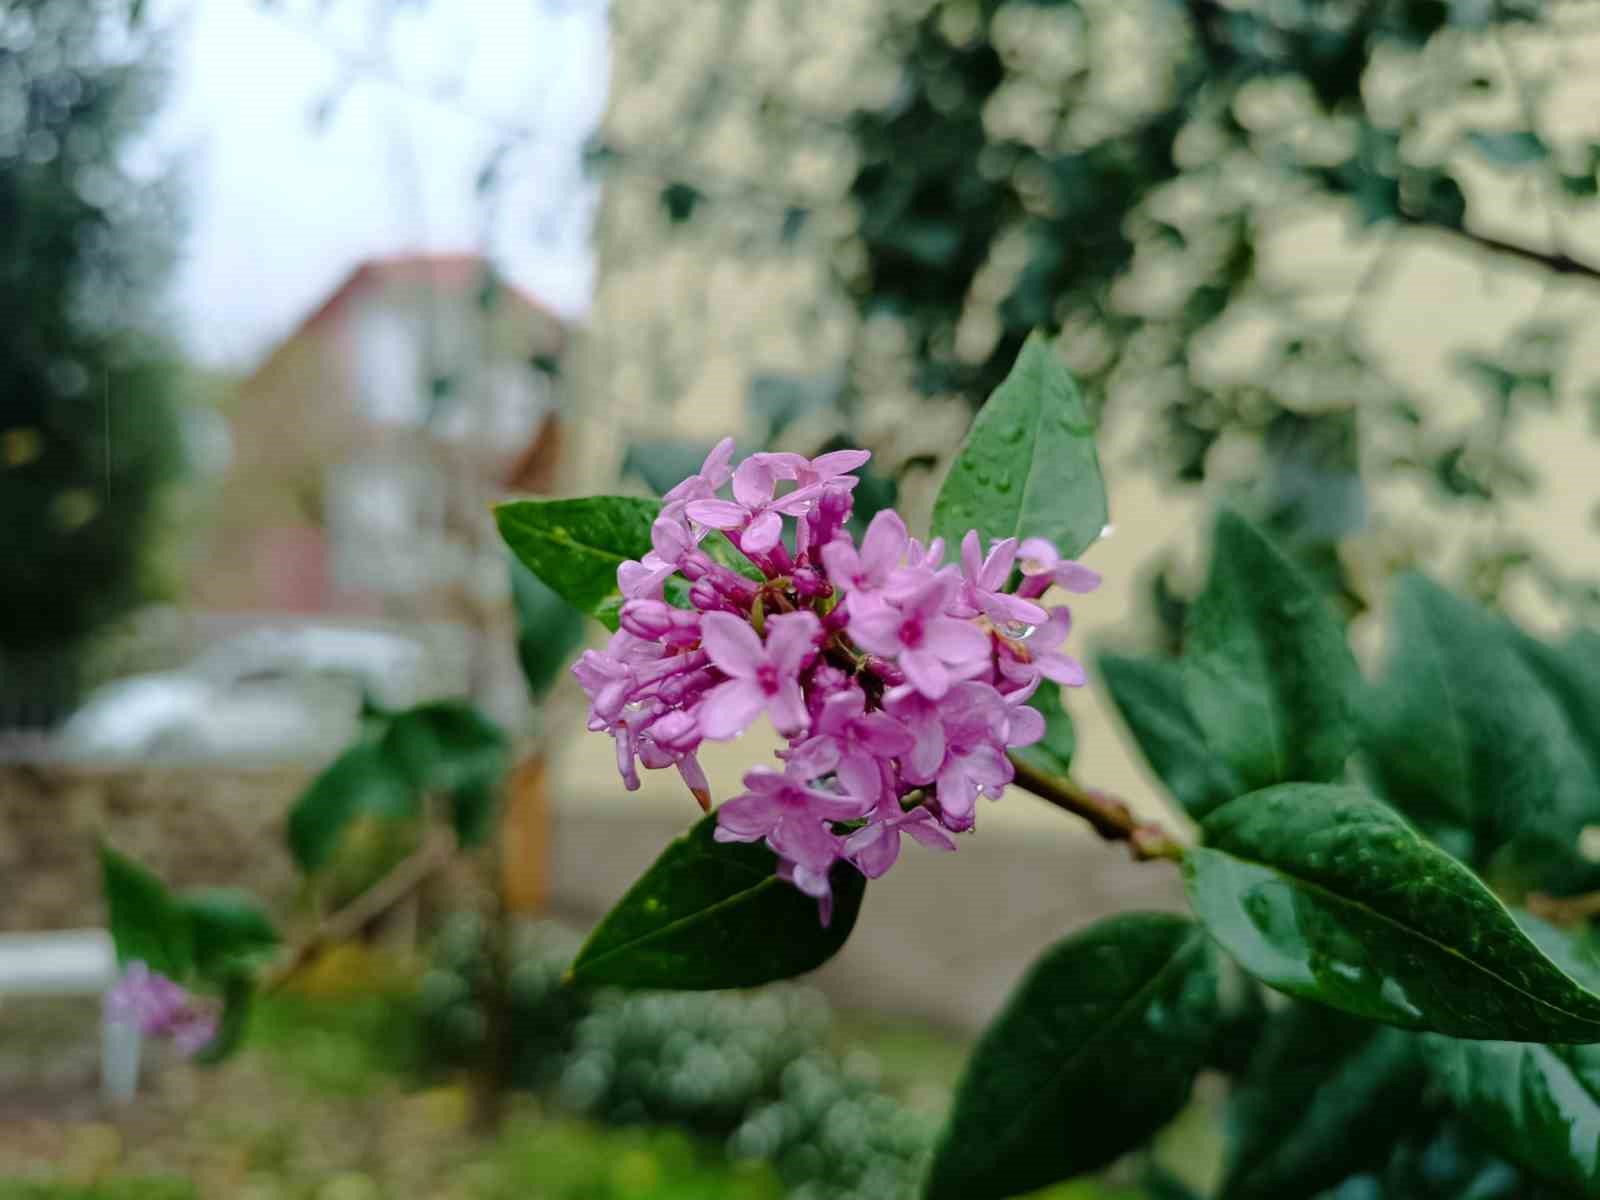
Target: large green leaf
1462	736
576	546
1325	1095
1149	693
711	915
1268	674
1051	754
1094	1051
1028	467
232	934
1540	1105
363	781
147	925
1326	893
549	629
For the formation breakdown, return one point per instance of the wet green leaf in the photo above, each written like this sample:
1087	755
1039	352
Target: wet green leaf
1462	736
711	915
576	546
1149	693
1268	675
1028	467
1094	1051
1327	894
1324	1096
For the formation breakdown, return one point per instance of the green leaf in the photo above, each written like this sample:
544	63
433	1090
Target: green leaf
1051	754
549	629
472	810
147	924
1149	693
363	781
238	996
1028	467
450	746
446	744
1268	675
1539	1105
1462	736
232	935
576	546
711	915
1327	894
1324	1096
1094	1051
1516	148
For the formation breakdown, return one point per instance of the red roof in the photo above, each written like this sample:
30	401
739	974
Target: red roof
444	271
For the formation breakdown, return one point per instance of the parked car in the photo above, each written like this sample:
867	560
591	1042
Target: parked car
266	695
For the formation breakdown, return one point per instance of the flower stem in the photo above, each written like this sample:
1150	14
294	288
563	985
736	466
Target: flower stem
1108	816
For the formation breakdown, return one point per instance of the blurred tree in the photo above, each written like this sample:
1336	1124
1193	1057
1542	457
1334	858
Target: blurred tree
1147	177
88	424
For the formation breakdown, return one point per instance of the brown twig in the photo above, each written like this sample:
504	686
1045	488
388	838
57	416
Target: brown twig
1108	816
407	875
1564	910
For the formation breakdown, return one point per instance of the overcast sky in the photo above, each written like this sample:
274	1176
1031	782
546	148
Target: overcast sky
282	206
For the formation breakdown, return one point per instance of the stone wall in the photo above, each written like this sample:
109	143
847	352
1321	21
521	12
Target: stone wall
191	825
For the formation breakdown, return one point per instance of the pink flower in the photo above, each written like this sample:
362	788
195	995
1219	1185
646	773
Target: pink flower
790	815
875	846
753	509
1043	565
158	1007
714	472
1040	654
933	649
976	721
853	744
761	677
985	577
883	547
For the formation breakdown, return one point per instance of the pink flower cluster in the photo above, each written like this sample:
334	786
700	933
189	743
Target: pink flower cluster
158	1007
898	680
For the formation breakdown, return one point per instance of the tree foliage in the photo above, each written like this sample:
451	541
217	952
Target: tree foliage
88	426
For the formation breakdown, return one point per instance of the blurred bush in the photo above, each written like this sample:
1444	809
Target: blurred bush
753	1070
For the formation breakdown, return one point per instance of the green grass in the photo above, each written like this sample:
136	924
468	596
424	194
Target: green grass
340	1046
571	1160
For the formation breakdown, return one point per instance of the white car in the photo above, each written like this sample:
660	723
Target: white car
269	695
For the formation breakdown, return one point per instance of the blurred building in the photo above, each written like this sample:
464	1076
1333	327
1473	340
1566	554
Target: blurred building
367	449
367	444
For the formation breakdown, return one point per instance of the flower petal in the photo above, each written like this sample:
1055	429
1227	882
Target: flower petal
729	708
731	644
719	514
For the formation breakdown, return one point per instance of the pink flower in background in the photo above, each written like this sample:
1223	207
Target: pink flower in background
158	1007
898	683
